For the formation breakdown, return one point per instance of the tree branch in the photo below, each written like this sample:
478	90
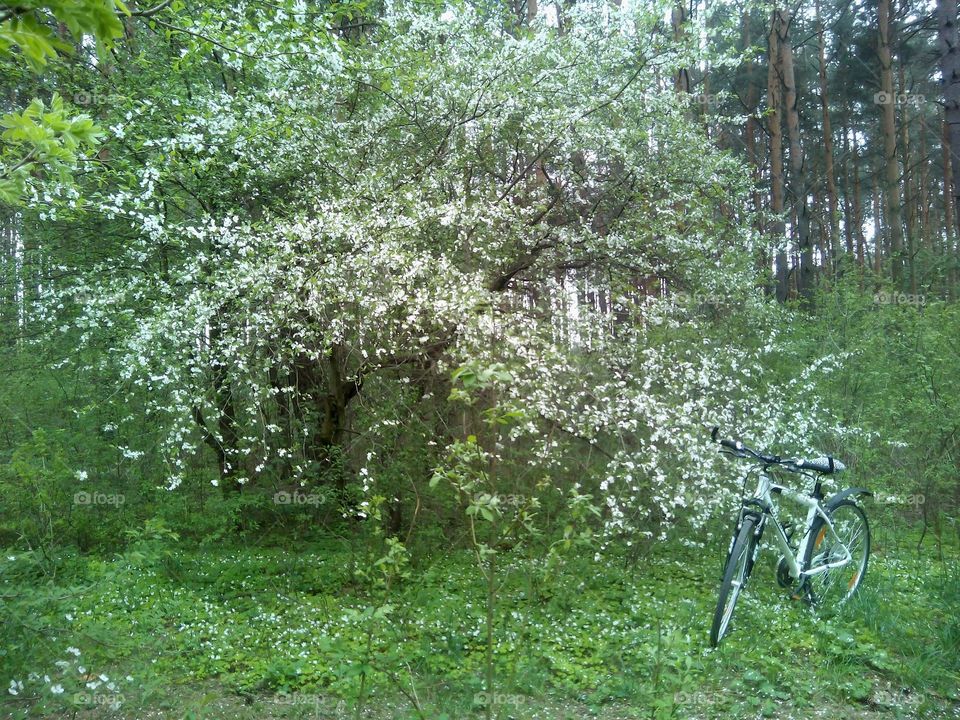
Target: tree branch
152	11
210	40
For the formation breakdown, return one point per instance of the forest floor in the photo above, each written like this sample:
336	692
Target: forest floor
277	632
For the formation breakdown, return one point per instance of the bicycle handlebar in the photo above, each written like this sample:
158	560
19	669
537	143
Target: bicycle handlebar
736	448
740	450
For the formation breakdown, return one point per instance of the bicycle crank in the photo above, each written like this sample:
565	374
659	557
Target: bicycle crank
784	579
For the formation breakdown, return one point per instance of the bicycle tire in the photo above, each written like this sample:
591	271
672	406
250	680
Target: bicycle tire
819	588
739	565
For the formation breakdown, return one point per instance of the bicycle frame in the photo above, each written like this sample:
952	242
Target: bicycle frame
763	498
800	571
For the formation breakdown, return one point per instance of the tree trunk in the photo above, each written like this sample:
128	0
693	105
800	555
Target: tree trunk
798	180
774	122
819	222
9	309
949	226
908	196
923	188
878	231
678	20
858	209
750	131
224	442
887	100
848	221
833	225
950	77
329	394
950	71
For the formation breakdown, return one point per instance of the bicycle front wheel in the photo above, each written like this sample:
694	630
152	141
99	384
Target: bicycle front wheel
734	578
832	587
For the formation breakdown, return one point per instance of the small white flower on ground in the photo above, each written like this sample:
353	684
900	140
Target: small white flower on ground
74	651
57	689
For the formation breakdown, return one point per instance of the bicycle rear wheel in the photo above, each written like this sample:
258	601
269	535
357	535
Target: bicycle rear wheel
734	578
833	587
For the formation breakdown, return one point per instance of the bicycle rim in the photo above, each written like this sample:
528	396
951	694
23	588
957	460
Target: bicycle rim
835	586
734	580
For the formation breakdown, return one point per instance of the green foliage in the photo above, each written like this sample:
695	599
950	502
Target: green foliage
26	26
900	388
497	523
300	222
278	627
36	41
37	488
43	139
37	141
47	501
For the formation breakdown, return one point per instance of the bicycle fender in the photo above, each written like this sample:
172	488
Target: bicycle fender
843	495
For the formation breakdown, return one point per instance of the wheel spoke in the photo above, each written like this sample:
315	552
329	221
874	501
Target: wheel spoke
735	578
849	544
856	536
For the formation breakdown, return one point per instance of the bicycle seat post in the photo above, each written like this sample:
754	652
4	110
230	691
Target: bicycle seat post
817	489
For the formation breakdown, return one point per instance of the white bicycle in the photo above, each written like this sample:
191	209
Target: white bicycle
828	565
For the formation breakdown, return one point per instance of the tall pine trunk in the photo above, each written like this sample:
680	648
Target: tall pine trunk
774	122
798	179
922	194
950	77
908	180
949	224
878	227
833	225
750	132
888	125
678	19
858	209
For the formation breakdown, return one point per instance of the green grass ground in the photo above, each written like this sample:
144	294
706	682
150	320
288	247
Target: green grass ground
288	632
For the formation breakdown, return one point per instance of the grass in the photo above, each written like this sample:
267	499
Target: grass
274	632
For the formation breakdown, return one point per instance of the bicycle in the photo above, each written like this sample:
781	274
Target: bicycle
836	536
